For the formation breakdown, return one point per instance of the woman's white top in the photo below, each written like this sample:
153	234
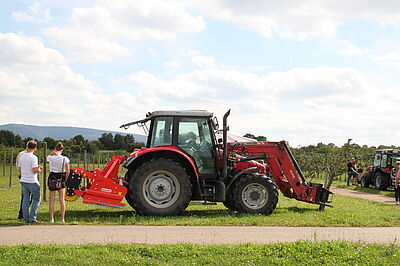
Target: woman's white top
56	162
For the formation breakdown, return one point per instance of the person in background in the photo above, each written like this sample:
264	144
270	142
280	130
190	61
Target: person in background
59	170
29	168
20	215
397	184
351	170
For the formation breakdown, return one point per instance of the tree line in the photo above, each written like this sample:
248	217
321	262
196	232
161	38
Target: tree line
77	144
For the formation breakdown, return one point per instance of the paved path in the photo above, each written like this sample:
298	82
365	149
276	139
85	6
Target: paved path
363	195
78	234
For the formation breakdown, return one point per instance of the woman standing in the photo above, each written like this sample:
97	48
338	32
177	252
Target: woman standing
59	171
397	184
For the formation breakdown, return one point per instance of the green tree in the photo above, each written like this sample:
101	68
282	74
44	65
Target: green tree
119	142
107	141
51	143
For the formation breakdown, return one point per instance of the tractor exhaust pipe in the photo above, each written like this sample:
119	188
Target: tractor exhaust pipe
225	129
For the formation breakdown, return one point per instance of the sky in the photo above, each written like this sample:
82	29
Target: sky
305	71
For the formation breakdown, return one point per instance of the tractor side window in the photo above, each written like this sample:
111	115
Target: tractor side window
377	160
162	132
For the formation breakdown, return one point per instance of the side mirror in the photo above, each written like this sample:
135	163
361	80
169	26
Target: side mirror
215	123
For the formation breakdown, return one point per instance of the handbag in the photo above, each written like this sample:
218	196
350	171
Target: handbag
55	180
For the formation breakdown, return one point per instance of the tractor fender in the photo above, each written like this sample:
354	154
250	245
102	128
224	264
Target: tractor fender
165	151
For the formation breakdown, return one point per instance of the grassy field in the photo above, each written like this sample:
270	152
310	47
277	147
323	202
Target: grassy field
371	189
289	212
297	253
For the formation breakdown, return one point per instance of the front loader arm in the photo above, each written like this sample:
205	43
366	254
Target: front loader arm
285	170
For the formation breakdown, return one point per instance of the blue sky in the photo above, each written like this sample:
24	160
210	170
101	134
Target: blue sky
303	71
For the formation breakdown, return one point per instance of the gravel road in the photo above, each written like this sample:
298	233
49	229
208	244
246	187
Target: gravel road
104	234
79	234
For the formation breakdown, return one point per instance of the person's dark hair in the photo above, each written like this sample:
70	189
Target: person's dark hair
59	146
31	144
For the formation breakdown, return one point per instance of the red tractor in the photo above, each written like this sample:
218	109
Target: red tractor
184	160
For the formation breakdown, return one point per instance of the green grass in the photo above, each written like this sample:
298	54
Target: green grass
297	253
289	212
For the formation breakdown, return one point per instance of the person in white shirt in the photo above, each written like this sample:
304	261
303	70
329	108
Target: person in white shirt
59	171
20	215
29	168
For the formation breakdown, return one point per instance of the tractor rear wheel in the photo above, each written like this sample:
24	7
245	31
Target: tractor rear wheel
160	187
380	181
128	195
255	193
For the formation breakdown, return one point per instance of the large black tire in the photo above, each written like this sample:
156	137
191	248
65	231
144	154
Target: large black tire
381	181
159	187
366	180
127	195
255	193
230	201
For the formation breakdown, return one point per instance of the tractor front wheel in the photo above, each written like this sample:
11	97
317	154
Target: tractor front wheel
230	201
160	187
255	193
366	180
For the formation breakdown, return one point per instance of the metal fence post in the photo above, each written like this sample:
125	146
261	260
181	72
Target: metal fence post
11	167
44	170
84	164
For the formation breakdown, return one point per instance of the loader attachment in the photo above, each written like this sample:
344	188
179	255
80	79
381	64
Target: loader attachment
104	187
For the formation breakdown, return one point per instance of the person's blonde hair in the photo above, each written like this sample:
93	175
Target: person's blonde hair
397	163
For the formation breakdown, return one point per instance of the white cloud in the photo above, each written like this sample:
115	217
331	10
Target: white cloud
392	58
172	64
300	105
105	25
34	14
84	45
35	82
203	61
298	19
350	50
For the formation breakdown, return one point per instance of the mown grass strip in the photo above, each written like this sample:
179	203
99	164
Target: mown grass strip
348	211
297	253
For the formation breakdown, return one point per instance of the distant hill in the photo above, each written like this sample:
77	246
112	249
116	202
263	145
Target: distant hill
61	133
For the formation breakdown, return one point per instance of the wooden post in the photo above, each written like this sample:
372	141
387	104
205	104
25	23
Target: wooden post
5	162
11	167
79	158
98	161
44	170
85	159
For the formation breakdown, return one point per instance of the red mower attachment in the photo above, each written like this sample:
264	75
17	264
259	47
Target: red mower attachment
104	187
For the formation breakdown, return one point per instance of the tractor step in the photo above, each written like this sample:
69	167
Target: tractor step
209	203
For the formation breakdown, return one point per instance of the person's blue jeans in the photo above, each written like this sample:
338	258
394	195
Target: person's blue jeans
351	174
30	190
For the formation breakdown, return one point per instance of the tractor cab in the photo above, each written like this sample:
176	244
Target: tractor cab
190	131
